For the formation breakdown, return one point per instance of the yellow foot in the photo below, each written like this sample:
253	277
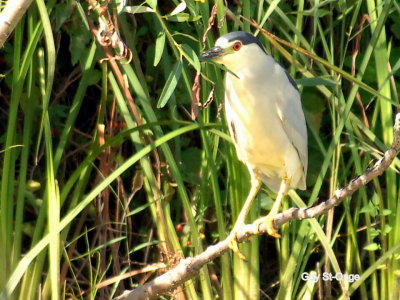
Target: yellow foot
269	224
233	244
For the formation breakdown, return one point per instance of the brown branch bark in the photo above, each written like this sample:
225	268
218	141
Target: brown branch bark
189	267
10	17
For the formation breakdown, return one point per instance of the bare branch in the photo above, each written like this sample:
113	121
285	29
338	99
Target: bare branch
189	267
10	17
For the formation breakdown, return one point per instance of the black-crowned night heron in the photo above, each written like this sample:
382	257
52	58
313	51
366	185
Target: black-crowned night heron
265	119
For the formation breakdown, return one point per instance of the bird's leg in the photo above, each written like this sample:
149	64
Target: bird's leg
269	219
255	186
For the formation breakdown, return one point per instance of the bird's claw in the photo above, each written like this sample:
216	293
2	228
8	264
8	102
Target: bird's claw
269	225
233	243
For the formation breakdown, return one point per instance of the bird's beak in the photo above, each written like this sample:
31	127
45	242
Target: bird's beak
213	53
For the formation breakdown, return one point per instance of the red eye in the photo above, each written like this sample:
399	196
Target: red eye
236	46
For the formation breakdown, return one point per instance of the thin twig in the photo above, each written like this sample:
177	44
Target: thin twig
189	267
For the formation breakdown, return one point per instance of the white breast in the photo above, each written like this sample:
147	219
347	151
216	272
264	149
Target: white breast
256	124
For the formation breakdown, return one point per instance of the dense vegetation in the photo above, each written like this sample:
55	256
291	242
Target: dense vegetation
115	156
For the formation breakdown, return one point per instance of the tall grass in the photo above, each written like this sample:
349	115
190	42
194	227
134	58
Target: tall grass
104	171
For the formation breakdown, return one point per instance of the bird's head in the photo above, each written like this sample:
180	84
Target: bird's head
235	50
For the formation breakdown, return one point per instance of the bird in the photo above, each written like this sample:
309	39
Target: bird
266	122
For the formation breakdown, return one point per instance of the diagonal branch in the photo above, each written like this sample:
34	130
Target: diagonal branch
10	16
189	267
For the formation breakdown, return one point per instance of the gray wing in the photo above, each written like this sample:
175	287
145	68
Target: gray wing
293	121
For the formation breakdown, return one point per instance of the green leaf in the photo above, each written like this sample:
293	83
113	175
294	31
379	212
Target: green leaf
152	3
137	9
170	85
369	209
79	44
191	56
144	245
266	202
320	13
182	17
62	13
94	78
372	247
387	229
140	208
386	212
375	199
374	232
191	164
160	43
315	81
